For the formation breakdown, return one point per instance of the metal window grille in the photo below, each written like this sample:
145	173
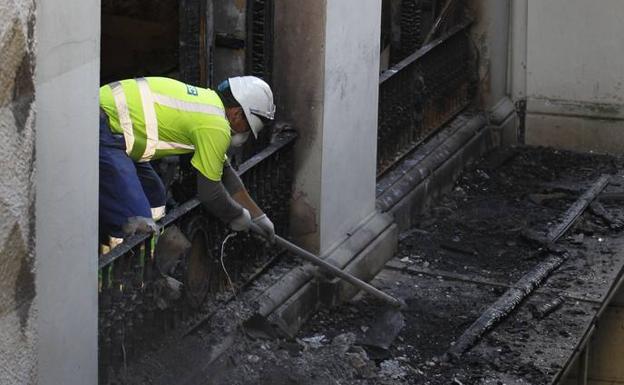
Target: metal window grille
132	310
424	91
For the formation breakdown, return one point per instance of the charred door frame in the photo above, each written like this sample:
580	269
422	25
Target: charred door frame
259	50
196	42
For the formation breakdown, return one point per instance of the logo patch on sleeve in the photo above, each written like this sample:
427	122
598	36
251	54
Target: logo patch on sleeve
191	90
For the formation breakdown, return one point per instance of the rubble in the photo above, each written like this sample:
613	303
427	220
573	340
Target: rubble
450	269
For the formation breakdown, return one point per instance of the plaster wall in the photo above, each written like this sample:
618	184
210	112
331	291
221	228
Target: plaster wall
351	84
574	77
18	312
67	82
575	50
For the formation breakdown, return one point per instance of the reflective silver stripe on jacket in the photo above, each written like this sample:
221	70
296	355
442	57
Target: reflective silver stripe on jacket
151	122
186	106
174	146
148	101
123	114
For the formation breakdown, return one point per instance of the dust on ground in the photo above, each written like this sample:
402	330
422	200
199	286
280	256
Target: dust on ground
461	255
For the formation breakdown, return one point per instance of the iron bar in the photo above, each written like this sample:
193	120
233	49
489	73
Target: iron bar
578	350
439	20
583	369
423	92
260	37
335	271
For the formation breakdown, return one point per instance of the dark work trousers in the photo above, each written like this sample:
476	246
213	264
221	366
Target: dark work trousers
127	189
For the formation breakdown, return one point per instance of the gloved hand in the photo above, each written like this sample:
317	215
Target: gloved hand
241	222
139	225
266	225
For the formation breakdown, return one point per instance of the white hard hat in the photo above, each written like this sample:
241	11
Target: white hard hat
256	98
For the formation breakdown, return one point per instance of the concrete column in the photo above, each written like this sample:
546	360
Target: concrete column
518	50
491	36
67	82
327	71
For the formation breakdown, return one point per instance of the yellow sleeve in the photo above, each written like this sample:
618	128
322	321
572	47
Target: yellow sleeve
210	148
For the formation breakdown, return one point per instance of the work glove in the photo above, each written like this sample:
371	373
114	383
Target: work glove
266	226
241	222
139	225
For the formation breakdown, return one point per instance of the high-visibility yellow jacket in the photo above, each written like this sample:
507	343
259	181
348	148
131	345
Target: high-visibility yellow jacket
160	117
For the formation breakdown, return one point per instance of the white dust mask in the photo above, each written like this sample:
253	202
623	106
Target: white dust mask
239	138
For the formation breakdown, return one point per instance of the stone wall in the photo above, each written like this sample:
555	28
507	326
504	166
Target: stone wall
18	335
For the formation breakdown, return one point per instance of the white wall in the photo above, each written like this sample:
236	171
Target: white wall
576	50
67	82
351	84
574	76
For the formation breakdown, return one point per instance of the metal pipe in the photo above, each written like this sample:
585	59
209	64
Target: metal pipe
577	353
583	372
438	21
331	268
584	342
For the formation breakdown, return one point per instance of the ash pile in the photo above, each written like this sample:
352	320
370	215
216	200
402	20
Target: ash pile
486	238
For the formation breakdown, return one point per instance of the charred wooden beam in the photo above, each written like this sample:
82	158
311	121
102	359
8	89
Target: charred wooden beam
504	305
530	281
577	209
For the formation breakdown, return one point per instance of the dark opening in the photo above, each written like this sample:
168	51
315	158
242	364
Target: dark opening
139	38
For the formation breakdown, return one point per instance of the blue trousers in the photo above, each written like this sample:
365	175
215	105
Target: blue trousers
127	189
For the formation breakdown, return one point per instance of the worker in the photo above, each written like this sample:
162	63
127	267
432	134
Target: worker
145	119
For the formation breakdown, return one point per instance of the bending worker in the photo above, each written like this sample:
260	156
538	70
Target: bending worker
145	119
